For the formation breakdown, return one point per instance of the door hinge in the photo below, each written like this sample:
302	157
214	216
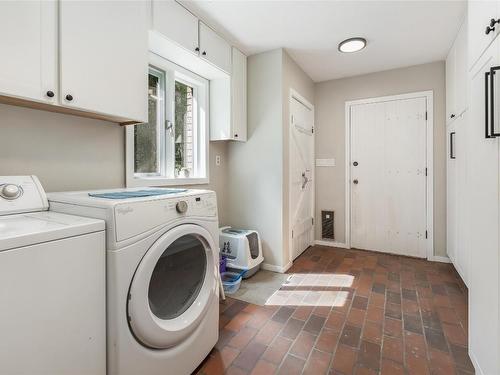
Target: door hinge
292	233
426	235
312	220
312	130
426	115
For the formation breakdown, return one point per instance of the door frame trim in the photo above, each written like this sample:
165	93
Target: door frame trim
429	97
294	94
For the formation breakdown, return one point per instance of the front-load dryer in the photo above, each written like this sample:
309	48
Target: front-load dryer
162	278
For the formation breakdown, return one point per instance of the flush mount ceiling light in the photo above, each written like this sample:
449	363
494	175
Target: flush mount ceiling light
352	45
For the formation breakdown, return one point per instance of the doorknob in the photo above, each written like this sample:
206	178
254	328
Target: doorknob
355	163
355	182
305	180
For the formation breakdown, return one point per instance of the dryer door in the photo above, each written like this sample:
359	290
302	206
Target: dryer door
173	286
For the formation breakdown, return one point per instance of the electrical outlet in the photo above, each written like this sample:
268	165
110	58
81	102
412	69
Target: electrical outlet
217	160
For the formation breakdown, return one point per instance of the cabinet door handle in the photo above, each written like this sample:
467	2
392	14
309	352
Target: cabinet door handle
489	29
197	49
204	53
492	72
452	145
69	97
50	94
452	115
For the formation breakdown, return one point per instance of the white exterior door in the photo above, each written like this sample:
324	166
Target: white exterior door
388	176
301	175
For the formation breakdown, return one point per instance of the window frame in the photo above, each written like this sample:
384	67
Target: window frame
172	72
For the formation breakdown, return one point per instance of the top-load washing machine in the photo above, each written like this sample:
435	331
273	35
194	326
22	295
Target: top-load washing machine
162	276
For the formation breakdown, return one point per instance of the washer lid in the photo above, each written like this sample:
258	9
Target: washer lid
30	229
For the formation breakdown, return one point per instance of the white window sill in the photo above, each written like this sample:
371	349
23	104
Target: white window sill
159	181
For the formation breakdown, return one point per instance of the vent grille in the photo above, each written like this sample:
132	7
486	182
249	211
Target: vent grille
327	221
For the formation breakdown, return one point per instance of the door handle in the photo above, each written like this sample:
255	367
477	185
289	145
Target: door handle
491	133
452	145
355	182
305	180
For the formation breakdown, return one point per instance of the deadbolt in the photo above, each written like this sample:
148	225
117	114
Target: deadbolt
355	182
355	163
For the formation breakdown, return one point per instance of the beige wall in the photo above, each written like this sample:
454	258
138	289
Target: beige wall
330	99
293	78
74	153
255	167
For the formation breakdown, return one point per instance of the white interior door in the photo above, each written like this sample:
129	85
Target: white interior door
301	176
388	178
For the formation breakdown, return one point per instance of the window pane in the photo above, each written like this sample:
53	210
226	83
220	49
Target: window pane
184	130
146	135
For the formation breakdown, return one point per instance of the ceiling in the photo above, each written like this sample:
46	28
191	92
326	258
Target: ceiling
399	33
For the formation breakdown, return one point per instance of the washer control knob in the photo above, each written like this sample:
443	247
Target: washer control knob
10	191
181	207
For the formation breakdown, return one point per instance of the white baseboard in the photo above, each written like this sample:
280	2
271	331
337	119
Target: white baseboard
274	268
473	359
331	244
437	258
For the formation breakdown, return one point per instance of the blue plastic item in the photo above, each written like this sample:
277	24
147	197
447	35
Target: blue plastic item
231	282
136	193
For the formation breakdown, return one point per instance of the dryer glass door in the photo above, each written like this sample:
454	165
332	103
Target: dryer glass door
177	277
173	287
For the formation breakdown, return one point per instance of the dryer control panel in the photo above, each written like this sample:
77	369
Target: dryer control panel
133	218
20	194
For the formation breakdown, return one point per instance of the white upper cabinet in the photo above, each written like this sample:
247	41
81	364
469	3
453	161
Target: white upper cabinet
461	76
214	49
456	76
450	85
176	23
103	57
480	14
239	96
28	62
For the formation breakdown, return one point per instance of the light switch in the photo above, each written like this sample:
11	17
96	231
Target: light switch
325	162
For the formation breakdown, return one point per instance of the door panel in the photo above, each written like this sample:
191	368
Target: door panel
214	49
388	160
103	57
482	199
176	23
301	176
28	36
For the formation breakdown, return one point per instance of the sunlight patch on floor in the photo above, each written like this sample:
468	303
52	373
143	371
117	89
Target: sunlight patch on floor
306	293
320	280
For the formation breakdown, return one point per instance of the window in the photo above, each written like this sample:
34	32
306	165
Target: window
172	147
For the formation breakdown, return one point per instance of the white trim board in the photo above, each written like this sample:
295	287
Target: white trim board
341	245
429	96
274	268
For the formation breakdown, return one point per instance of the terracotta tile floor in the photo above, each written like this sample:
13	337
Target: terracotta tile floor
390	315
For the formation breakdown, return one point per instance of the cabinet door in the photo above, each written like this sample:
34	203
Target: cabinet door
482	197
451	192
450	85
103	57
28	62
239	96
459	181
176	23
214	49
480	12
461	70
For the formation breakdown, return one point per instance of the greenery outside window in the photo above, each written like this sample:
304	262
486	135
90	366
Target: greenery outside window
172	148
